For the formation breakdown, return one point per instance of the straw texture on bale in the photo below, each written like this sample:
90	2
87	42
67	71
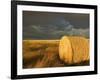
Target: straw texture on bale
74	49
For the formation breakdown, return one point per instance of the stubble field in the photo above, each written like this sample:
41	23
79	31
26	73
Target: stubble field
43	53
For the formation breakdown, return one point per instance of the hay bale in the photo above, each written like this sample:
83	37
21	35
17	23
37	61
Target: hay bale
74	49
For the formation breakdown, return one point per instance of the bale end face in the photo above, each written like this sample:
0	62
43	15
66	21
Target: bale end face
65	50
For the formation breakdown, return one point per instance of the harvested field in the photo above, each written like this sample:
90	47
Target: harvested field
44	53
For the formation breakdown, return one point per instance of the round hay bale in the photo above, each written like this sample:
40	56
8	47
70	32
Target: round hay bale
74	49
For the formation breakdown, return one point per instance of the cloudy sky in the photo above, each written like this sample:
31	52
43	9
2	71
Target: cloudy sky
49	25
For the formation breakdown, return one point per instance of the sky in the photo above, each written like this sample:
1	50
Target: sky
51	25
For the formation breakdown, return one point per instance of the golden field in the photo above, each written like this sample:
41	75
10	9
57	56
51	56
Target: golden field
43	53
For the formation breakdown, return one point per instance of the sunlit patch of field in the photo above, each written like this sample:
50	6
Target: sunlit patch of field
42	53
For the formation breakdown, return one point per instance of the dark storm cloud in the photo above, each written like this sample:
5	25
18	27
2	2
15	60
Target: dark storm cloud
44	25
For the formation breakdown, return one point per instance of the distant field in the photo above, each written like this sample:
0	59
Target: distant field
42	53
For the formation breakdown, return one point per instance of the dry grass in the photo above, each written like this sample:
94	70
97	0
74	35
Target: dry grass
42	53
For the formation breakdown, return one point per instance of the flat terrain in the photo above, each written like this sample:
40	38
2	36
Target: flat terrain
43	53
